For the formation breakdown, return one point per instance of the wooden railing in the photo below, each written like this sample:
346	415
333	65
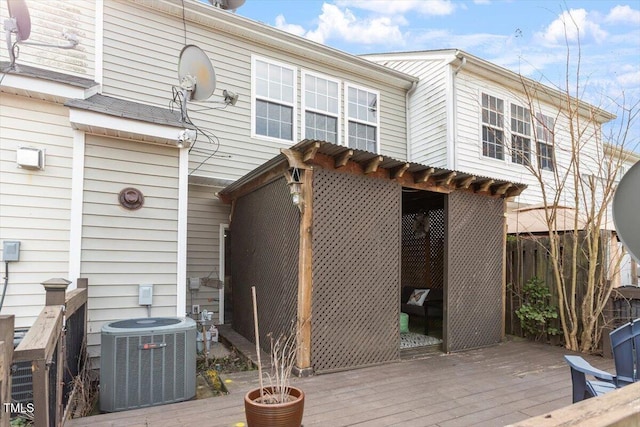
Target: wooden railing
619	408
54	354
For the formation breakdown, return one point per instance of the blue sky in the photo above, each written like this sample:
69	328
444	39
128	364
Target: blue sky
526	36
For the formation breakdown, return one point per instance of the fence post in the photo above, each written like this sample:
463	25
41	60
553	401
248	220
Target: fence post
56	291
6	358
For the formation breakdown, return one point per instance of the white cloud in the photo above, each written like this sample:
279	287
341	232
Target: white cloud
482	1
629	77
335	23
281	24
395	7
574	24
623	15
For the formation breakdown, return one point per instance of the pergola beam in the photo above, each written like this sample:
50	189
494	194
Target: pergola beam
399	171
342	159
484	185
465	182
446	178
423	176
372	165
311	152
501	189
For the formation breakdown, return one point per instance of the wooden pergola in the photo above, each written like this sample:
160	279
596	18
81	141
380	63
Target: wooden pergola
297	163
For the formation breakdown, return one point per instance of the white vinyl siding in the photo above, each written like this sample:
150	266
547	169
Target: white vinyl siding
34	204
49	20
428	113
206	213
123	248
362	107
321	106
274	100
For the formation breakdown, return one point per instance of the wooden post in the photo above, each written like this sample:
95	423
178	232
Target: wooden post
305	285
56	291
504	268
40	373
6	356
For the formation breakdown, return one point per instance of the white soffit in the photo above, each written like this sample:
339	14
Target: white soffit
118	127
47	90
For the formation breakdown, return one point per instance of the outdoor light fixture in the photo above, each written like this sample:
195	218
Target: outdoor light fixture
186	137
295	187
230	98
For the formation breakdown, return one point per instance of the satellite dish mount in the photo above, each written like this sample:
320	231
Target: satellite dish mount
19	24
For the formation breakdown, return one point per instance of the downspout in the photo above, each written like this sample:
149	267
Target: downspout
407	108
454	113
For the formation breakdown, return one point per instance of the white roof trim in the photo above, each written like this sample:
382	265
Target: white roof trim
40	88
118	127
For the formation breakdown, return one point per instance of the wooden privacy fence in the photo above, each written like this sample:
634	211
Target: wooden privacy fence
54	345
528	257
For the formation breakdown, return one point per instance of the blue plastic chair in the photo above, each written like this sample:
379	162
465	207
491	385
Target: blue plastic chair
625	345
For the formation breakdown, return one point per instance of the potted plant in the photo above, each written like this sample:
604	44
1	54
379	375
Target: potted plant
276	403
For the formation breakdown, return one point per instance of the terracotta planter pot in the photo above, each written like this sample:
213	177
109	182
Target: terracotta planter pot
287	414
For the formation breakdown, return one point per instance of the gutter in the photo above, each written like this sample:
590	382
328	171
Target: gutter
454	114
407	108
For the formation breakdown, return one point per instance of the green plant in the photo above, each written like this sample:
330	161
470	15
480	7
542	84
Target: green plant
536	310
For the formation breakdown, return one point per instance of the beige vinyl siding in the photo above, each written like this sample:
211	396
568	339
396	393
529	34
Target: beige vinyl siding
49	19
124	248
34	205
150	49
206	213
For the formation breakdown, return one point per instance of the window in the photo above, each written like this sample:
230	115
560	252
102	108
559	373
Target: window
321	102
520	135
274	92
544	137
362	107
492	127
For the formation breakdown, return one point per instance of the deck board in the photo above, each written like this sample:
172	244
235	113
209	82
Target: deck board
487	387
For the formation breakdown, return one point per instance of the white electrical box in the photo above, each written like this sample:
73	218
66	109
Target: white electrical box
145	294
30	158
194	283
10	251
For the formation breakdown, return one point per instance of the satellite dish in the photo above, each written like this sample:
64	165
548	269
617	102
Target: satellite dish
19	13
626	210
227	4
231	4
196	73
19	24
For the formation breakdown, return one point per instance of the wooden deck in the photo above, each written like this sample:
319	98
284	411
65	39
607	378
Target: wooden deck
486	387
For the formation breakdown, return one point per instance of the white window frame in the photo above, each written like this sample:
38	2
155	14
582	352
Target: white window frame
526	161
255	98
540	121
348	119
489	125
304	109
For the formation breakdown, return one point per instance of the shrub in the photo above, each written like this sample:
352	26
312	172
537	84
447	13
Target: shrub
536	310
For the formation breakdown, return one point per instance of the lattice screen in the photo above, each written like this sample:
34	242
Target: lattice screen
264	253
419	268
473	312
414	254
356	271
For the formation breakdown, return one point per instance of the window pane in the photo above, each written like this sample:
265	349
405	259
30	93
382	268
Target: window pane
362	137
262	70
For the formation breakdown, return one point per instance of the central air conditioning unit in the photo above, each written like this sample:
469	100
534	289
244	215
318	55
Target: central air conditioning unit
147	362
